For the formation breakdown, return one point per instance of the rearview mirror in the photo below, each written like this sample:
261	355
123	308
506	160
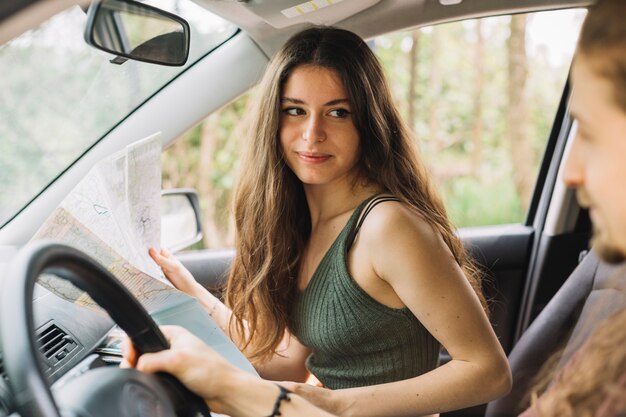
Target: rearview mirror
181	224
137	31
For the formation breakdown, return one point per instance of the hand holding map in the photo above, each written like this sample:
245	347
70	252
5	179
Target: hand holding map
113	215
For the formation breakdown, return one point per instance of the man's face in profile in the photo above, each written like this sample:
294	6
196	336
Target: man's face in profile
596	165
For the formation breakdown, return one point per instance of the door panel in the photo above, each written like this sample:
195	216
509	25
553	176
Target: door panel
502	253
209	267
556	258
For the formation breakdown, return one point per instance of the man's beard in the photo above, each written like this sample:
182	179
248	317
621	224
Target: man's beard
605	250
608	252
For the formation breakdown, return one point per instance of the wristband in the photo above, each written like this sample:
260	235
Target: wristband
283	395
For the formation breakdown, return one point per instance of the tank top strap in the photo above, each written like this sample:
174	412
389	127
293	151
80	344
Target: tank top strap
373	202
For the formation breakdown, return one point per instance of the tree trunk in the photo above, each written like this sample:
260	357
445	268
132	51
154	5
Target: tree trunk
176	167
412	96
204	185
436	83
478	130
520	147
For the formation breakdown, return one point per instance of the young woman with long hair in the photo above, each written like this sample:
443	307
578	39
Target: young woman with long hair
346	264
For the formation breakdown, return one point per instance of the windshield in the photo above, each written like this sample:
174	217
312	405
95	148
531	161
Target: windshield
60	96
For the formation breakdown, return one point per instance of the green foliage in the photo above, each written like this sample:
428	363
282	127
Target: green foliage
446	113
472	203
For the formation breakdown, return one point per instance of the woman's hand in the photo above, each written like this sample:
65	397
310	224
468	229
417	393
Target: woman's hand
175	272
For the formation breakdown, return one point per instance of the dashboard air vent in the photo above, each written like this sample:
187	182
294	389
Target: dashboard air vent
55	344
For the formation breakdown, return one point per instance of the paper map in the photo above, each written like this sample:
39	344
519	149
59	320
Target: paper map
113	215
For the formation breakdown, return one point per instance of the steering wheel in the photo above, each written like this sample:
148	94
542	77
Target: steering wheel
100	392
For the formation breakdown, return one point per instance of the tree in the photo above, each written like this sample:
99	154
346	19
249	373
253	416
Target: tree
478	130
435	90
413	76
204	185
518	121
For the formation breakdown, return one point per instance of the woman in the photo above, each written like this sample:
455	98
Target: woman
346	264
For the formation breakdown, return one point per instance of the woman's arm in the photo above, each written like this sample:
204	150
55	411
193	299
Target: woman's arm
288	361
405	253
226	389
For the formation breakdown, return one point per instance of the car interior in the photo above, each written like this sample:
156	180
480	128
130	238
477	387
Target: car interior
560	323
57	357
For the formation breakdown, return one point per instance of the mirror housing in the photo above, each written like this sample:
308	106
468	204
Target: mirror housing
181	222
137	31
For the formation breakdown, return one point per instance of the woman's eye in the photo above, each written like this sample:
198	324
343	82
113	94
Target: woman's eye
340	113
293	111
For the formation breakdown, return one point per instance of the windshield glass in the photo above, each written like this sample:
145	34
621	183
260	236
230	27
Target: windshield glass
60	96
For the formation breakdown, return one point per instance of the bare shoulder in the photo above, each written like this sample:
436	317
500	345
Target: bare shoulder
400	242
392	220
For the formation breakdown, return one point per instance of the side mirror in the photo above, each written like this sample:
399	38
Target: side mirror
181	224
137	31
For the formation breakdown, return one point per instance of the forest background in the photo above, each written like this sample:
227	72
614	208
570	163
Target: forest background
480	96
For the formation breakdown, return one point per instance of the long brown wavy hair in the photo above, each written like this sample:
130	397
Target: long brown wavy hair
594	380
598	376
271	213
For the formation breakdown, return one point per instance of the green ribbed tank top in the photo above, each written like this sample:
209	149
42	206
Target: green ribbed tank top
355	340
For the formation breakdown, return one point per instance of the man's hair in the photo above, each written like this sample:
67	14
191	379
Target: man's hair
594	378
603	43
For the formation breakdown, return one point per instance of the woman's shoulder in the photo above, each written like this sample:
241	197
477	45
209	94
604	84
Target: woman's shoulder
392	219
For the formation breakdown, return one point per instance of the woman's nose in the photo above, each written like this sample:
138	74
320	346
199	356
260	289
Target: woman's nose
314	130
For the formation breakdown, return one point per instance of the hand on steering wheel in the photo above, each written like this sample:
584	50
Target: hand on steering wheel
103	392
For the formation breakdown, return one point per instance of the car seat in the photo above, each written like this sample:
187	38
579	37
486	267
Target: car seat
563	324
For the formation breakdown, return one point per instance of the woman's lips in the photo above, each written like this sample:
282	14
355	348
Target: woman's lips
313	157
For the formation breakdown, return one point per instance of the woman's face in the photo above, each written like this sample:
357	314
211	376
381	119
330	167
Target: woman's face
320	143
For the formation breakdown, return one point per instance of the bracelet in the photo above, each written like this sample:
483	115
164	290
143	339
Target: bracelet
283	395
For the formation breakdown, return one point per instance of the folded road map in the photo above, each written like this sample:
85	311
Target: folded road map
113	215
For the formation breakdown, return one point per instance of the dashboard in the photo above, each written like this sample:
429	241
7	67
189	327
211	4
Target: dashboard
73	339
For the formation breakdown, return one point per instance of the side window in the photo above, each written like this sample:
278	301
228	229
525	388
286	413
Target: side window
480	96
206	158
